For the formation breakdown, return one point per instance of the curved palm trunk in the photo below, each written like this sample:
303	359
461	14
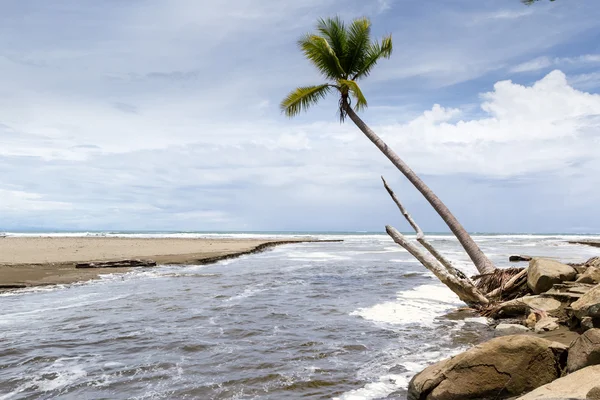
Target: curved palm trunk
483	264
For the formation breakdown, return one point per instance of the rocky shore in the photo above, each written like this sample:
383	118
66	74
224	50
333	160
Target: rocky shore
526	361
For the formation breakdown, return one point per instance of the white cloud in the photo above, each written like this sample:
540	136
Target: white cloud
20	201
544	127
141	114
533	65
508	14
585	81
545	62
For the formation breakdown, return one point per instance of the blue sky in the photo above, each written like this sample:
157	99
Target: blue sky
163	115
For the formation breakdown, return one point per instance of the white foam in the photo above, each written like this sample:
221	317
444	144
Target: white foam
65	372
421	305
386	385
383	383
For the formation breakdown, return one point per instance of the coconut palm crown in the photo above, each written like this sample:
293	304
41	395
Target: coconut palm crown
343	55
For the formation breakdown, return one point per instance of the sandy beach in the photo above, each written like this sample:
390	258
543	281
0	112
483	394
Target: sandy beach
33	261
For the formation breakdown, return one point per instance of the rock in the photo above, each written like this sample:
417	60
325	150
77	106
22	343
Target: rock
568	291
584	351
546	324
574	386
523	306
593	394
117	264
519	258
589	323
591	276
503	367
511	329
593	262
543	273
588	305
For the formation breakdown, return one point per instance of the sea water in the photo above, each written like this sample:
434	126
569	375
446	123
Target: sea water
347	320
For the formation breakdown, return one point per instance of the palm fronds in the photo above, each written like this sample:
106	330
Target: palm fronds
354	89
302	98
342	54
375	51
359	37
318	51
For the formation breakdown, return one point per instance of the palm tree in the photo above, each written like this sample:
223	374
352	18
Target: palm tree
344	55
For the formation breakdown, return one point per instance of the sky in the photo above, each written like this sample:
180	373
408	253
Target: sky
164	115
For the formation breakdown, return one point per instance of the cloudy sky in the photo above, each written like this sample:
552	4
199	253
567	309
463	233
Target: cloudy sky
163	115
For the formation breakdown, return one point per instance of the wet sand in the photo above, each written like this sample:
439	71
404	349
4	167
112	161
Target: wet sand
34	261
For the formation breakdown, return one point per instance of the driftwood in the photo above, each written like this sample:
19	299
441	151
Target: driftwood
464	288
482	291
117	264
420	235
511	284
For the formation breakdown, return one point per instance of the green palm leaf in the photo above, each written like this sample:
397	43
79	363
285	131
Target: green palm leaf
375	51
320	53
302	98
354	89
334	31
359	37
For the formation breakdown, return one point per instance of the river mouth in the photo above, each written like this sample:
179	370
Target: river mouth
350	320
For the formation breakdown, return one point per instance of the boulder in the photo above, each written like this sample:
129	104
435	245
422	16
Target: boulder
524	305
575	386
568	291
589	323
593	394
519	258
543	273
588	305
511	329
593	262
546	324
584	351
590	276
500	368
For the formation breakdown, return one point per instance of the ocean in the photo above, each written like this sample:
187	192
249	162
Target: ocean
346	320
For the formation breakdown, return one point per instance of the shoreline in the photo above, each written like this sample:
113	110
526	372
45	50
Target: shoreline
44	261
585	242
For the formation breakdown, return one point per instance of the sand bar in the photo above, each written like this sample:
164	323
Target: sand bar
34	261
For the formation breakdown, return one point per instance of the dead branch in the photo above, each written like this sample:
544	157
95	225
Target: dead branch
509	285
420	235
464	288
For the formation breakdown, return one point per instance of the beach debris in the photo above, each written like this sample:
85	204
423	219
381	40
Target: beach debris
500	368
531	320
544	273
435	262
504	283
584	351
518	258
577	385
117	264
12	286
